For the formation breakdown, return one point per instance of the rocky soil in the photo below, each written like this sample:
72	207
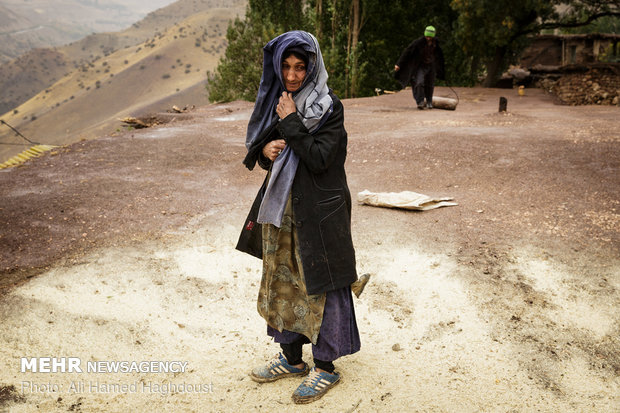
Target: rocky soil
122	248
599	85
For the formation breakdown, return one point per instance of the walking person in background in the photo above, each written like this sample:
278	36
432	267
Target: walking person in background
419	64
300	222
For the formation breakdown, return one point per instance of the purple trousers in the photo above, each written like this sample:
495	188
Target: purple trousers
338	335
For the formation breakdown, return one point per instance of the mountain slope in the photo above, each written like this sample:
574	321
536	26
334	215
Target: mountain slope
22	78
89	100
27	75
25	25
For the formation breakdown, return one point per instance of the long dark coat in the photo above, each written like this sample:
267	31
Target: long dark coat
411	59
320	196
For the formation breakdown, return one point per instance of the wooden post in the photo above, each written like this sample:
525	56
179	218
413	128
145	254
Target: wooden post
503	104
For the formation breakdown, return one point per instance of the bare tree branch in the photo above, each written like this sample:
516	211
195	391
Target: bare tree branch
590	19
560	24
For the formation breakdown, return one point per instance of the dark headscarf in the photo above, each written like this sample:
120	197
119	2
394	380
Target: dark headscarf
313	105
272	85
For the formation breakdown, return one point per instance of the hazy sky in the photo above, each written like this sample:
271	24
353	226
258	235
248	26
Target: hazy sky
145	6
97	15
26	24
37	6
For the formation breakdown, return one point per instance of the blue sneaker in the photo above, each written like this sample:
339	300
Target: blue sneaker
315	386
276	369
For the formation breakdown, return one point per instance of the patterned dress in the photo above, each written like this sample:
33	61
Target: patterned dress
282	299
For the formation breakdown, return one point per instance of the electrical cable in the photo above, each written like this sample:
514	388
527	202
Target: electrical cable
18	133
453	91
13	143
36	150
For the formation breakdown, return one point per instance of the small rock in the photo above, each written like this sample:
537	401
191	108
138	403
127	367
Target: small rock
396	347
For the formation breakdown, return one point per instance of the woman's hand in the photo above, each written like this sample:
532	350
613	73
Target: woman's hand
273	149
286	105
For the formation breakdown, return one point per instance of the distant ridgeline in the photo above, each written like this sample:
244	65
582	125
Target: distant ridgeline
81	90
47	23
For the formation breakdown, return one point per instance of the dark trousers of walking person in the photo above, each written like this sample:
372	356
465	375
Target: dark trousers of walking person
423	84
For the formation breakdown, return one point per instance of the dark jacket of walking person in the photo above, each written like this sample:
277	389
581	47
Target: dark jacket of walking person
419	64
300	221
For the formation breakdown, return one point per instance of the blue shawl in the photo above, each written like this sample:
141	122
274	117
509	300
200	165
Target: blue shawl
313	106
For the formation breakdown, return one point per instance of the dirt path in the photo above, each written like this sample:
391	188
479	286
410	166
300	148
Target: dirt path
121	249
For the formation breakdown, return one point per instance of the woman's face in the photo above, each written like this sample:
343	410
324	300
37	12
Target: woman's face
293	73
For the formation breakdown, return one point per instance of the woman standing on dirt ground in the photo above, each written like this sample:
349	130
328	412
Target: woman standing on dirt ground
296	132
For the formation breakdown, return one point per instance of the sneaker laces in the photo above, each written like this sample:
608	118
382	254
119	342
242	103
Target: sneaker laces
274	362
312	378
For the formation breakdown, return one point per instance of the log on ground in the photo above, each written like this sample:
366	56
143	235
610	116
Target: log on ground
444	103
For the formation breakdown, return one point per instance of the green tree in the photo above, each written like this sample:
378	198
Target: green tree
362	39
238	73
360	50
406	19
607	24
338	25
285	15
494	32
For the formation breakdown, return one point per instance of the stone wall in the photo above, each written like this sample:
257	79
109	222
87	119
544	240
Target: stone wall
596	86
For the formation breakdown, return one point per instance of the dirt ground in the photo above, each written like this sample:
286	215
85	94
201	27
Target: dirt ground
122	249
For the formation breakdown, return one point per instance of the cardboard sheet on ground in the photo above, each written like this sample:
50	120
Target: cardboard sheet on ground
404	200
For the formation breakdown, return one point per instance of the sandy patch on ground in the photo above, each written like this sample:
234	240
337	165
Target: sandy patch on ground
507	302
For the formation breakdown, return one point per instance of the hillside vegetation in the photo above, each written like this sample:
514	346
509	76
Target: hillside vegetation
23	77
80	90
